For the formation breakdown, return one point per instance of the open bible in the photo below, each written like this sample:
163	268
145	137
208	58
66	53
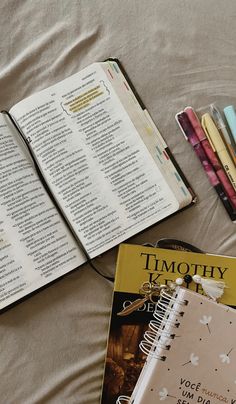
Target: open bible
82	169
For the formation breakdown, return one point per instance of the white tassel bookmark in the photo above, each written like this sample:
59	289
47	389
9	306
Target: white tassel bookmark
213	289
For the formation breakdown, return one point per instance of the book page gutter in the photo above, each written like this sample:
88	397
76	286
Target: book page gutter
35	245
94	160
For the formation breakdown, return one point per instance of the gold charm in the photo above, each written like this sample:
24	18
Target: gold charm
150	291
133	306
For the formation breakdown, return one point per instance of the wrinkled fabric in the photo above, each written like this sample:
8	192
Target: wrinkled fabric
177	53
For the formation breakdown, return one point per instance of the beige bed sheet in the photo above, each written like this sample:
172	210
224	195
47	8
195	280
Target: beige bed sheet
177	52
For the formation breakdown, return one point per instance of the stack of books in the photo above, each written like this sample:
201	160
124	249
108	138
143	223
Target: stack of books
171	349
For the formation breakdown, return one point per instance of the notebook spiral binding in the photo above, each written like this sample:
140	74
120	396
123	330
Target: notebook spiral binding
123	400
161	331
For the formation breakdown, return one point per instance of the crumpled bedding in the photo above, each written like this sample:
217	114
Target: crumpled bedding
177	53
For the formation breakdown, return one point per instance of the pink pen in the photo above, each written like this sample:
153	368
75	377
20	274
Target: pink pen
230	192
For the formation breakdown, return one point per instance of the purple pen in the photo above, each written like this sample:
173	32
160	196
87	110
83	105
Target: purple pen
194	141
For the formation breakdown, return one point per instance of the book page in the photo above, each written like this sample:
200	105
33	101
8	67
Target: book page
94	160
148	132
35	245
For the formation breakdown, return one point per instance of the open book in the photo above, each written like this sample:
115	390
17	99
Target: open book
85	170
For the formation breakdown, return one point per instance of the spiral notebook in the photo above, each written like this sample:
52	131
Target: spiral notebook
191	350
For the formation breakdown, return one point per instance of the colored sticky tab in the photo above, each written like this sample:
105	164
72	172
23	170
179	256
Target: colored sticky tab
230	116
115	67
166	155
110	73
148	130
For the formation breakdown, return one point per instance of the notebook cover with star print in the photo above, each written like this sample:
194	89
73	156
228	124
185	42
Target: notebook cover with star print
192	358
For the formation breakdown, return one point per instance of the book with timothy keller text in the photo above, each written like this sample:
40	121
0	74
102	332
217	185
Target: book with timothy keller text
137	264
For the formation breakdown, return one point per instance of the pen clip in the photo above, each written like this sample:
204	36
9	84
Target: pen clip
219	122
204	126
176	118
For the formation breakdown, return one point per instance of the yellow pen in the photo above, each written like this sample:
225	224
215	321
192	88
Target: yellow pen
219	147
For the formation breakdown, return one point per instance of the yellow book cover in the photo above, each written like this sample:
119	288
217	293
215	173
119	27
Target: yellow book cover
137	264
